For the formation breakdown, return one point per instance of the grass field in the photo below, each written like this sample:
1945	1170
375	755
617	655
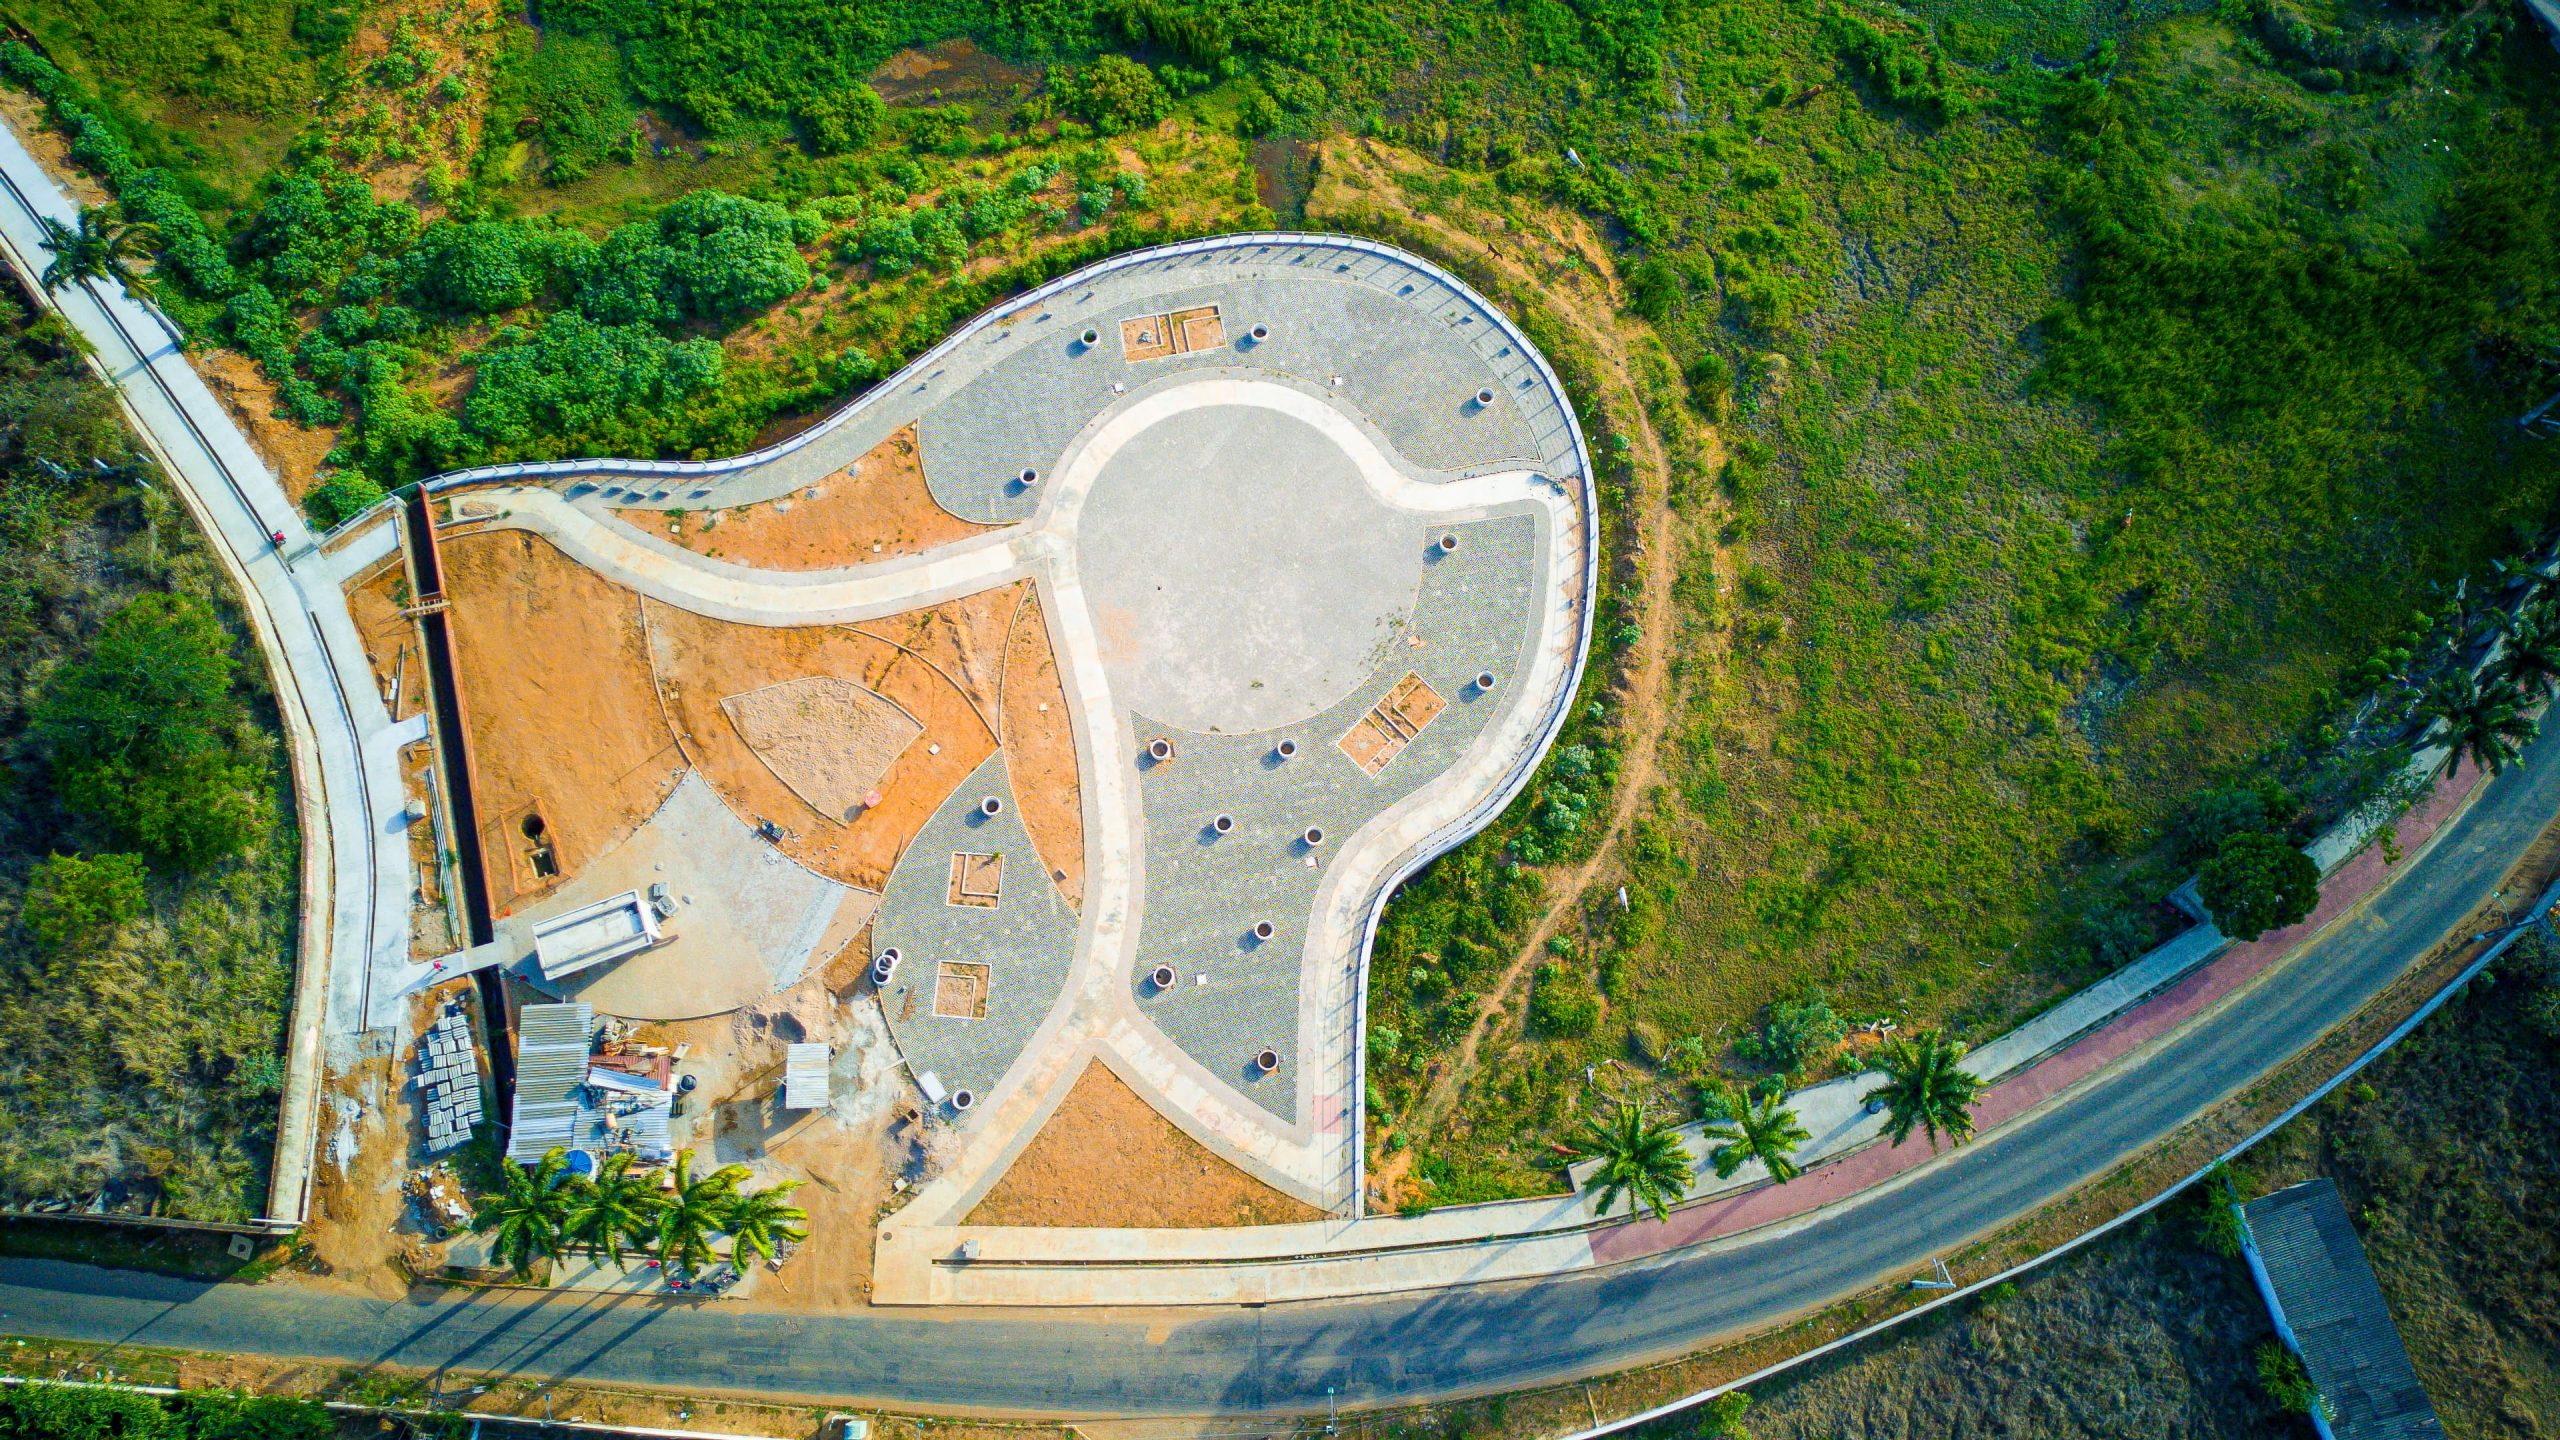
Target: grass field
2013	419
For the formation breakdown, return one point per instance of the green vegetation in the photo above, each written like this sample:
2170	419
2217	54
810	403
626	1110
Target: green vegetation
1639	1159
537	1213
1925	1086
2073	416
2256	883
1763	1129
147	856
41	1411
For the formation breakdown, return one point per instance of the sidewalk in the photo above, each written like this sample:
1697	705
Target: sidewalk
919	1264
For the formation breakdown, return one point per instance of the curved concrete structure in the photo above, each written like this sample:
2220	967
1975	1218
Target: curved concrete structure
1327	534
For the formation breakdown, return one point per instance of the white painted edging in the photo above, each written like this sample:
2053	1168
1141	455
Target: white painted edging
2541	906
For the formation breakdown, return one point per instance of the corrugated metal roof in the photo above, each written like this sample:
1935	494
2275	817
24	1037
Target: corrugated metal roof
804	1077
551	1065
2323	1290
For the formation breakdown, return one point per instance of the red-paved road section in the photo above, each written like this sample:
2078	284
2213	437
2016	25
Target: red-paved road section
1290	1358
2199	990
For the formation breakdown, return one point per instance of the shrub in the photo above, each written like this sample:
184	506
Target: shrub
1561	1005
2256	883
1795	1032
2219	814
844	120
141	735
340	496
1113	94
2281	1374
707	256
74	901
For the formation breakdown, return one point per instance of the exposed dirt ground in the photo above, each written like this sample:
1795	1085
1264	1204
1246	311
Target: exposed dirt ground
1106	1158
26	116
876	508
390	638
1040	749
295	452
700	662
564	719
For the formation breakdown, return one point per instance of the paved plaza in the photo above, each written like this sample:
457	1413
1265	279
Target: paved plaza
1312	530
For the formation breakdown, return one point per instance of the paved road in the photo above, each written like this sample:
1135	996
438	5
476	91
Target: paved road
1283	1358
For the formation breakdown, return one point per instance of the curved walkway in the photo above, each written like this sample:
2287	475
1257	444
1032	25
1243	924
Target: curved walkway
1288	1358
1312	1151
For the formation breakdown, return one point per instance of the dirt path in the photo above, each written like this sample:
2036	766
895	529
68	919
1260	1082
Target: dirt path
1550	260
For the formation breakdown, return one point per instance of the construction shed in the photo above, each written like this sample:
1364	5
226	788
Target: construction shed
2310	1265
552	1042
595	934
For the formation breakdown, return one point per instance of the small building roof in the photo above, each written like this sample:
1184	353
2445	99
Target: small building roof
2311	1266
551	1064
594	934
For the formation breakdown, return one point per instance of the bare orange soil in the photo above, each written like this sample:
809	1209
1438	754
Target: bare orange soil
565	726
390	638
1107	1159
875	508
294	452
1040	749
700	662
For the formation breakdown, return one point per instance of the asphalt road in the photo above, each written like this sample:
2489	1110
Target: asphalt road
1286	1357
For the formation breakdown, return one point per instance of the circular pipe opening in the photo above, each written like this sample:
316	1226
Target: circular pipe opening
1266	1060
1262	930
1028	478
1223	824
1314	836
991	807
1449	543
884	966
1163	976
1483	398
963	1099
1484	680
1288	749
1160	749
1261	332
1091	337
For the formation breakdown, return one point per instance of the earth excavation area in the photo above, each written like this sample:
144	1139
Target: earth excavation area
979	805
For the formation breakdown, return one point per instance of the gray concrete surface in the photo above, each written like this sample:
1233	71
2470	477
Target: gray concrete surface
1234	994
1241	573
1027	939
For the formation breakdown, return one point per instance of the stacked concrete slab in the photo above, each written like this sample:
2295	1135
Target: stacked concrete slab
449	1081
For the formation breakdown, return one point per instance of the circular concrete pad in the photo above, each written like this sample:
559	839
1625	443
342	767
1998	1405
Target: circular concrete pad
1242	575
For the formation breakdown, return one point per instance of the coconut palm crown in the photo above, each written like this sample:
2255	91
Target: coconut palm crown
755	1220
1926	1086
1766	1131
527	1217
1643	1161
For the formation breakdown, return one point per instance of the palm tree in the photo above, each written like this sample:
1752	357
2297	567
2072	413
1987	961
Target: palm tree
2486	722
755	1221
1926	1085
1645	1162
529	1213
1765	1131
103	246
693	1211
617	1206
2531	660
